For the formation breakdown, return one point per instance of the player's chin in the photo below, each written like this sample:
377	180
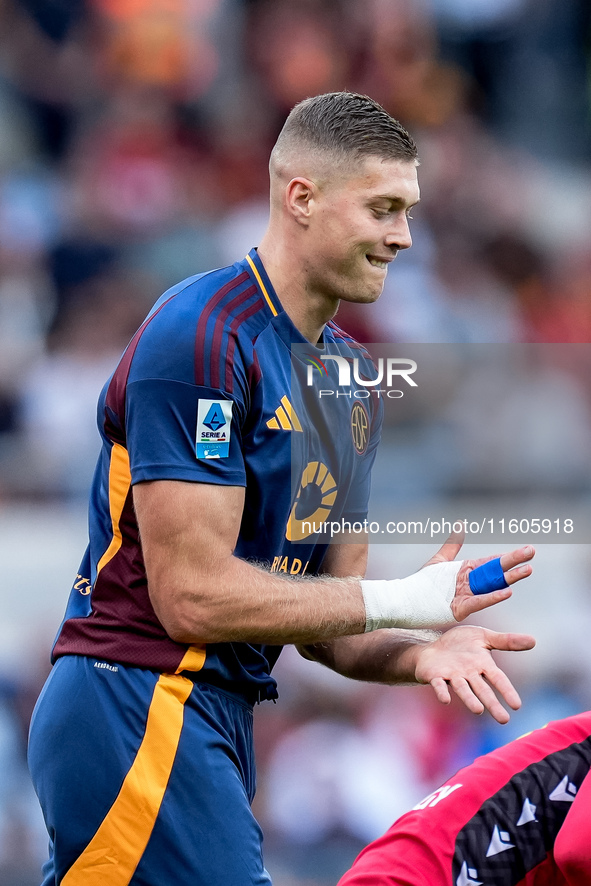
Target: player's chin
365	295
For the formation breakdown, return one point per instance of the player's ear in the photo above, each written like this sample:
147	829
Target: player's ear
299	196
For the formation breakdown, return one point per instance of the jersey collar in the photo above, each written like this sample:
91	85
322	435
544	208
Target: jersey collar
257	270
284	327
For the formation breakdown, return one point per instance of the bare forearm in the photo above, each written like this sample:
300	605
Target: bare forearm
245	603
386	656
202	593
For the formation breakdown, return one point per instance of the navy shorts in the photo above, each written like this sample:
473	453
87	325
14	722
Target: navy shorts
144	779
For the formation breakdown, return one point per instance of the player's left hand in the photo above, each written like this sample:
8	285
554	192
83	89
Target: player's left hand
515	567
461	660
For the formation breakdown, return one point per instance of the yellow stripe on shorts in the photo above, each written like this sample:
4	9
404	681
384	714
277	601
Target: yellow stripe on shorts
113	854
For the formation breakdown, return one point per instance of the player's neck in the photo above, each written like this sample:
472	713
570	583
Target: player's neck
308	310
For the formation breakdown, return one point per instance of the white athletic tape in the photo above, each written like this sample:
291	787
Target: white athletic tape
422	600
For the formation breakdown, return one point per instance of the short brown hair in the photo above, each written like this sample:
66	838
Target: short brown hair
347	125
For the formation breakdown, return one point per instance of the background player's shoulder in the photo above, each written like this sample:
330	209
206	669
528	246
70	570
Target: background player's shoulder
222	299
201	330
196	300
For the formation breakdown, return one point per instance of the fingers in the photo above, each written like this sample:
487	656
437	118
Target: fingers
463	606
517	574
478	696
463	690
450	549
440	687
514	558
513	563
447	552
489	573
509	642
461	661
501	682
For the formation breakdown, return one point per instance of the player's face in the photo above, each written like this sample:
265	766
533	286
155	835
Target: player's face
359	224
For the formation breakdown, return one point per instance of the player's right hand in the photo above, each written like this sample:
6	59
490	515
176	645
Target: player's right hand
515	565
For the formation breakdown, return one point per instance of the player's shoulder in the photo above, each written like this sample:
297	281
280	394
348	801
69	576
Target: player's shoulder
219	294
197	318
225	301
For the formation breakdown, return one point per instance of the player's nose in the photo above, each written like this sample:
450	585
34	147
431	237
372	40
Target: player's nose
398	237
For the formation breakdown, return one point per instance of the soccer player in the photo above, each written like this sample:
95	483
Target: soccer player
203	558
519	816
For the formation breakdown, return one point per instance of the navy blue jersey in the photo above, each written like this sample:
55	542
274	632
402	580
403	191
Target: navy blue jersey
204	393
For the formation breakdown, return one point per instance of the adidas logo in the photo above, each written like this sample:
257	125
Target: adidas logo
285	418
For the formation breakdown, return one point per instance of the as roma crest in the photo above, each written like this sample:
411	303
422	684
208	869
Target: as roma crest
360	427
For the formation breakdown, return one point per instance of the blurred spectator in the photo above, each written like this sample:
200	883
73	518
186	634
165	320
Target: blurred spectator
130	170
529	61
158	43
22	837
346	771
60	390
297	50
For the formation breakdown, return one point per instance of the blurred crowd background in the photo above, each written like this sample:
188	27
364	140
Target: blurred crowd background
134	140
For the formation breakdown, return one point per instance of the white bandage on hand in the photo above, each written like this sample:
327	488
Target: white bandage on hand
420	601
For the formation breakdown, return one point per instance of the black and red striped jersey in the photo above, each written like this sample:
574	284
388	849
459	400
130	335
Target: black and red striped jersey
204	392
518	816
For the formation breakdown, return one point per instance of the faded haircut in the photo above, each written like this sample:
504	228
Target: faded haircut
343	126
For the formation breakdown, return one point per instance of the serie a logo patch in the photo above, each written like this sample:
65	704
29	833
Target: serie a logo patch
214	426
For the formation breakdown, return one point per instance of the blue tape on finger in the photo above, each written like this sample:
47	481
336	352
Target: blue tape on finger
488	577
